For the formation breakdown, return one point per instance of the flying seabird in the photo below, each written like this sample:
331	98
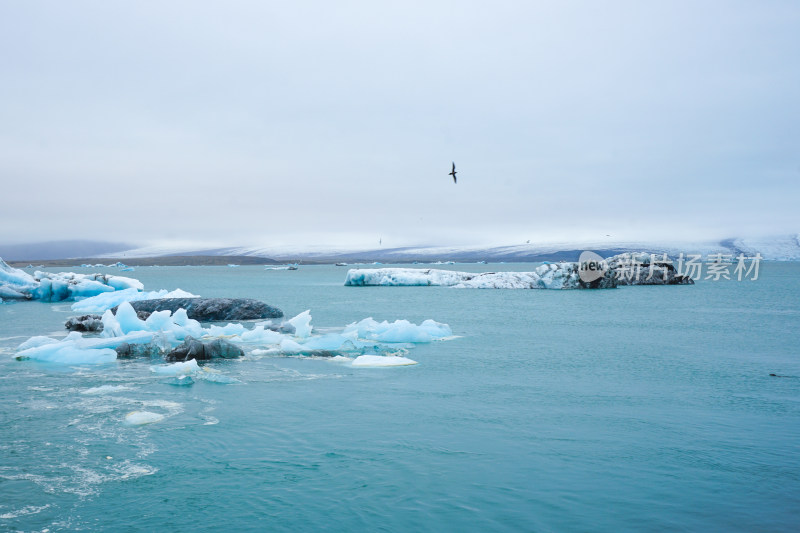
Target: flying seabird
453	173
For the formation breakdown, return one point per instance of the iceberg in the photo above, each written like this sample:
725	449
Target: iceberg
35	342
125	335
399	330
55	287
109	300
260	335
174	327
302	324
548	276
15	283
212	309
177	369
377	361
75	349
69	351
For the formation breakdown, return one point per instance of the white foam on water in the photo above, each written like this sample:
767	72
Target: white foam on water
25	511
106	389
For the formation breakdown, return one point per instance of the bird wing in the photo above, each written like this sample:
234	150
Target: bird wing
454	167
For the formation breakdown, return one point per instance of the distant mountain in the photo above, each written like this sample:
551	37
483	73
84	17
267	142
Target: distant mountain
60	250
779	248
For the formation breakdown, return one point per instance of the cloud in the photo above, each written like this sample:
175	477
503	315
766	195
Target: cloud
317	121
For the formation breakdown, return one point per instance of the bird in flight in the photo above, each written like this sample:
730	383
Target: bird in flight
453	173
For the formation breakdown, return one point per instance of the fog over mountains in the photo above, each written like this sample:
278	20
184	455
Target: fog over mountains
779	248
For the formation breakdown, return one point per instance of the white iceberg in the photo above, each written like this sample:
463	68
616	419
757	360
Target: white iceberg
69	351
35	342
109	300
332	342
376	361
55	287
76	350
15	283
260	335
174	327
302	324
166	330
185	368
548	276
399	330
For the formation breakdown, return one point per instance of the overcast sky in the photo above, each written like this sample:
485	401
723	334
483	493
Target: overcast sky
257	122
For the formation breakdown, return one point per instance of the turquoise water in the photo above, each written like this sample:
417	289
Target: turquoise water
633	409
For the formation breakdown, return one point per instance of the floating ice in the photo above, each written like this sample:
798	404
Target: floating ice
375	361
35	342
226	330
15	283
177	369
302	324
128	320
140	418
399	330
260	335
550	276
69	354
332	342
54	287
290	346
164	330
109	300
175	327
75	349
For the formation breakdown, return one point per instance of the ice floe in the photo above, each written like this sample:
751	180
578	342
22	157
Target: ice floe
55	287
302	324
125	335
176	369
76	349
548	276
399	330
109	300
375	361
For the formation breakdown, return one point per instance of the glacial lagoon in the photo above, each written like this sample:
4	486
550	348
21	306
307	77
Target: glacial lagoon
606	410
